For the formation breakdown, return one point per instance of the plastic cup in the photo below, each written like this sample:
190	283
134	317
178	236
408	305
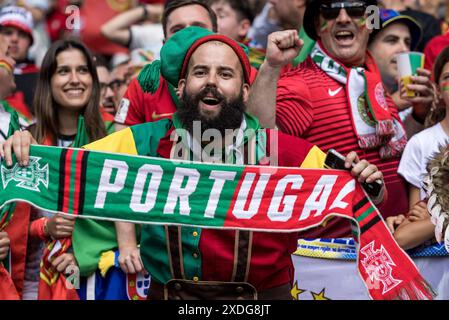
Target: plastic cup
408	64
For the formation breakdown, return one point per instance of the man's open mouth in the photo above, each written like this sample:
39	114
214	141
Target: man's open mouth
344	36
211	101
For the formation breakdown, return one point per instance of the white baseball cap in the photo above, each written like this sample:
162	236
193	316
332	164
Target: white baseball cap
17	17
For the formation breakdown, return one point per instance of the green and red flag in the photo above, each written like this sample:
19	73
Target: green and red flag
146	190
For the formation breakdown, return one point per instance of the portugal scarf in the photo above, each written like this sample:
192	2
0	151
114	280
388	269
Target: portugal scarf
138	189
371	118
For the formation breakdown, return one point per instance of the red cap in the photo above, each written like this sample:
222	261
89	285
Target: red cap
239	51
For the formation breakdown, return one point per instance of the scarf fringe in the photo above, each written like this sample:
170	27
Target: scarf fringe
385	128
393	149
418	289
369	141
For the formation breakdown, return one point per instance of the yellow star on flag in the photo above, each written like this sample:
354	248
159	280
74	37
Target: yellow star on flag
296	291
320	296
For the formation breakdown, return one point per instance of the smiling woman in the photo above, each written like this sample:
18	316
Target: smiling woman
68	87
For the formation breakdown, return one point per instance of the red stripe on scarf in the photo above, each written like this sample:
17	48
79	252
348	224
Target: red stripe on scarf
68	162
386	269
76	193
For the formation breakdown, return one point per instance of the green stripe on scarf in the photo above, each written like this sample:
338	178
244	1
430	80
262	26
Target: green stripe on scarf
365	214
14	113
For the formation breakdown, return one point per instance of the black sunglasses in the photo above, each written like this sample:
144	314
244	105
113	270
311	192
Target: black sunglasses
353	9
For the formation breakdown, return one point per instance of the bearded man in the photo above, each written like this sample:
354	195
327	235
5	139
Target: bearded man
212	73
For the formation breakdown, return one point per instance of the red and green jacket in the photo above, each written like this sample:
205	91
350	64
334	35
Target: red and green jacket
262	259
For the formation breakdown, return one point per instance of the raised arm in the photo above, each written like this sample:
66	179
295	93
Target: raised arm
282	48
118	28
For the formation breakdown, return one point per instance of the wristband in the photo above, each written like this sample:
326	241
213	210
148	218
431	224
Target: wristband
6	65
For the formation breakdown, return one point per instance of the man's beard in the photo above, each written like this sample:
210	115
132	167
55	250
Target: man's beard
229	117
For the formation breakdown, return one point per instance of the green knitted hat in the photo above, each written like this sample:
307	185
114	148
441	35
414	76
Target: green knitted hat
172	57
175	49
176	52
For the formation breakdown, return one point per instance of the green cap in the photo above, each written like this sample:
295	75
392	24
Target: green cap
175	49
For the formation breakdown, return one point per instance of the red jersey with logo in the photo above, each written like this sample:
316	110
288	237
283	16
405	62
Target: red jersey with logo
313	106
139	107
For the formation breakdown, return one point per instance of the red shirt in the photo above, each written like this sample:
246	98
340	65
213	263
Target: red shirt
433	49
139	107
314	106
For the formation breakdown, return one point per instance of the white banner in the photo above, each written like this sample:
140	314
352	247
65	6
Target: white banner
327	269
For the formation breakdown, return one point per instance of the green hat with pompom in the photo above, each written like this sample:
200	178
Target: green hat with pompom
175	55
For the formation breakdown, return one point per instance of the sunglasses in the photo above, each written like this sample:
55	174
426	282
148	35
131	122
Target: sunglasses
353	9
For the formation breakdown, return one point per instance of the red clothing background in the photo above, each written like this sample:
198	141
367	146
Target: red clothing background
145	107
312	106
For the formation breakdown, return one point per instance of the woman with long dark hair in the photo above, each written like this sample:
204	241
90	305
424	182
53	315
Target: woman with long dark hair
67	88
68	113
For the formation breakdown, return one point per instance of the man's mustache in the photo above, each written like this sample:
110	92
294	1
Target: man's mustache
210	91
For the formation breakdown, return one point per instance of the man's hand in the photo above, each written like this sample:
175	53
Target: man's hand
19	143
419	212
4	245
394	222
425	93
60	226
363	171
282	48
130	261
61	263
